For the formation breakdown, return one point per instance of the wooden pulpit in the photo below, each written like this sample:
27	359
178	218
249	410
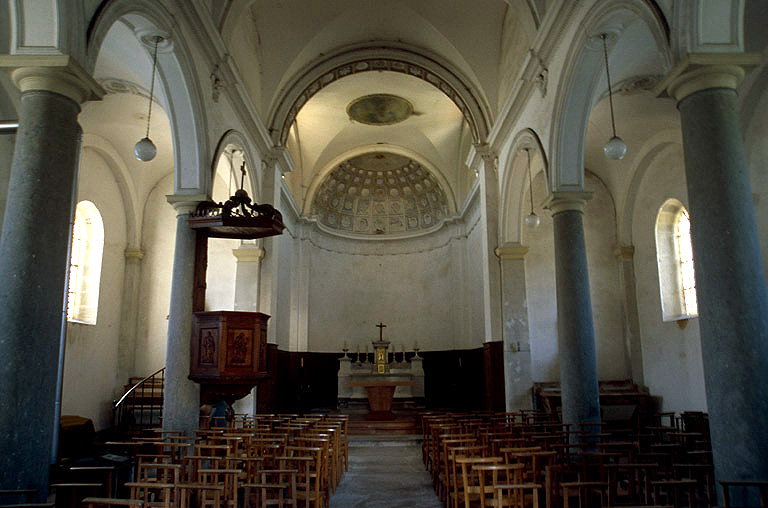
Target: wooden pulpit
228	354
228	348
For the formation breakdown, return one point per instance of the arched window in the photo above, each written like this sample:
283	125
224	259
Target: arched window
674	255
85	264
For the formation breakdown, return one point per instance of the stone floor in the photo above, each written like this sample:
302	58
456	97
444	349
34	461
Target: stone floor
385	473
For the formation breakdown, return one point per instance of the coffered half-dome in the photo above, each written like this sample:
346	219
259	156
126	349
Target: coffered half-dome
380	194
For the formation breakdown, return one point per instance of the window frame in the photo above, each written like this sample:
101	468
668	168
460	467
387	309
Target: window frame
676	266
84	270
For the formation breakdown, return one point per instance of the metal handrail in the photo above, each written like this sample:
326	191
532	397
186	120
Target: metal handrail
139	389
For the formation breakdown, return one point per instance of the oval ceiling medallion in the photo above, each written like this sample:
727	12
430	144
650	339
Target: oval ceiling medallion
379	109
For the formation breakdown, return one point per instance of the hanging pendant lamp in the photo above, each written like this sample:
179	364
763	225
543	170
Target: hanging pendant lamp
532	220
615	148
145	150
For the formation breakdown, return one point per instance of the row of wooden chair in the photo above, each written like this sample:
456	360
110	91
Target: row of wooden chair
518	459
251	461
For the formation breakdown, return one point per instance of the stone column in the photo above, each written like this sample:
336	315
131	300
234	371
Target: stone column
181	402
269	274
489	210
249	257
34	260
514	309
575	330
730	279
633	347
129	315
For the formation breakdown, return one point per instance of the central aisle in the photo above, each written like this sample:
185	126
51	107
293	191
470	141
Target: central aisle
385	474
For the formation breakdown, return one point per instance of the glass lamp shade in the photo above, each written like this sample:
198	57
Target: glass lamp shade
145	150
532	221
615	148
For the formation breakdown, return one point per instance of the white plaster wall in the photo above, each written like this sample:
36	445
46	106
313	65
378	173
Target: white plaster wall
90	363
222	264
474	283
409	285
515	40
540	289
672	360
600	236
287	270
158	241
220	277
604	284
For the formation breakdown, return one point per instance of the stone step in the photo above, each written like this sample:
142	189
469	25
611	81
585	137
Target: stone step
363	441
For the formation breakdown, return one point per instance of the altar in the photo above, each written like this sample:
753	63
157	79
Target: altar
380	378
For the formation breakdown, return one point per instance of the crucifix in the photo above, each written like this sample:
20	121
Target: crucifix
381	327
242	176
381	347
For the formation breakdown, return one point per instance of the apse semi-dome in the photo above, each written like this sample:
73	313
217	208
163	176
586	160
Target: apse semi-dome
380	194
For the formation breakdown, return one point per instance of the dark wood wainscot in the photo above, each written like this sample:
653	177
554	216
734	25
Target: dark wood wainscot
228	354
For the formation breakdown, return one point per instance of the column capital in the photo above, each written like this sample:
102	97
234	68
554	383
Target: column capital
133	255
280	157
249	254
701	71
624	252
511	251
484	152
59	74
561	201
185	203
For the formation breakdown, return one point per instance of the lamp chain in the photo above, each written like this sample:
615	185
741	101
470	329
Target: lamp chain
608	77
530	179
152	86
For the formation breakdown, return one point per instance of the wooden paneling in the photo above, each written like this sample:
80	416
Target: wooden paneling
493	367
455	379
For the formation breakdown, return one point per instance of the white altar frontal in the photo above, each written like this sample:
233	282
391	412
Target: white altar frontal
380	366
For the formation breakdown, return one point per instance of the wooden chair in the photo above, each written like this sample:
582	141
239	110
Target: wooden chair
470	479
69	495
100	502
275	487
343	421
226	478
200	495
637	479
455	492
673	488
154	494
491	475
308	477
444	476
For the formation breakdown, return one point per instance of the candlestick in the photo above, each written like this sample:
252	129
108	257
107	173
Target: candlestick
345	349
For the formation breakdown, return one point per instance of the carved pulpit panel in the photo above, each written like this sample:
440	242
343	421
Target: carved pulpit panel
228	353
